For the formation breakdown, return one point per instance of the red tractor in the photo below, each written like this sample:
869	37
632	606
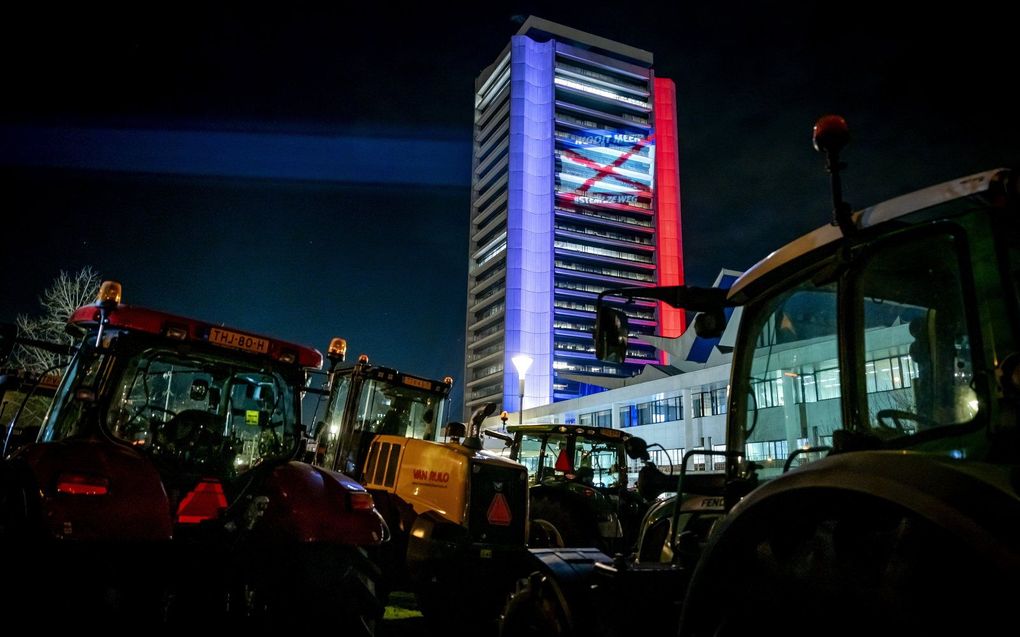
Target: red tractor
163	486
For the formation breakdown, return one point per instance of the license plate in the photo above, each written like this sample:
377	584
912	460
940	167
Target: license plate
234	340
417	382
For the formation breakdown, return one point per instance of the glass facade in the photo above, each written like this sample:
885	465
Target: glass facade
575	190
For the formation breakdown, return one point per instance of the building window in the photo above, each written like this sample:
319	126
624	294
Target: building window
719	400
596	419
769	392
719	461
827	383
709	402
767	450
885	374
656	411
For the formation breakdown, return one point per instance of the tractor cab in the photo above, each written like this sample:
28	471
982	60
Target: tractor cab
368	400
579	483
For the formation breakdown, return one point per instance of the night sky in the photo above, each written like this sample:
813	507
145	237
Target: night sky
304	172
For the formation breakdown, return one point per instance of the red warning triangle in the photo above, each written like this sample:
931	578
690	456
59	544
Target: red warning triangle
204	502
499	511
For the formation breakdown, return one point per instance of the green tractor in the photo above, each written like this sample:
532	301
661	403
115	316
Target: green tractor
580	493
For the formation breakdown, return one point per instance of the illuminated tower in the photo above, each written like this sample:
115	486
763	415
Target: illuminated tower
575	189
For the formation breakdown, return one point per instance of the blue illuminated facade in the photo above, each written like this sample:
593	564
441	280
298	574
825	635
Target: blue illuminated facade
564	205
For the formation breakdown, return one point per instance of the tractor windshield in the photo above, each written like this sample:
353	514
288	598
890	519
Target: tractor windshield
378	407
907	372
555	456
209	413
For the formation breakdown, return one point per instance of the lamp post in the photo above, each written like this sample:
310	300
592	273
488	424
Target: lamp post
521	363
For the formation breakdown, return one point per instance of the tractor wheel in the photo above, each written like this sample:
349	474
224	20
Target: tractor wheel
268	588
840	564
338	585
574	527
535	609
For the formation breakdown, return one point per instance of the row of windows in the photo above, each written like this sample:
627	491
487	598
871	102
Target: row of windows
588	369
490	311
484	133
632	312
571	346
605	234
663	410
882	374
489	163
569	166
885	374
492	120
486	390
488	350
491	253
590	141
642	221
588	348
604	271
710	402
489	236
767	393
486	371
603	148
601	92
494	288
489	331
491	272
596	419
767	450
502	95
489	218
604	252
629	82
581	286
569	325
487	198
573	100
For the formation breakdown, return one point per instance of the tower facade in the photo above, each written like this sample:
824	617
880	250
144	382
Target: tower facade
575	189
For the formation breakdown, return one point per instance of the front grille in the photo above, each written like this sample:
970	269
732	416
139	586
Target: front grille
488	480
382	463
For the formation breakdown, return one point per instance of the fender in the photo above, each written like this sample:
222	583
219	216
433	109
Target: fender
129	505
969	508
977	502
571	572
312	504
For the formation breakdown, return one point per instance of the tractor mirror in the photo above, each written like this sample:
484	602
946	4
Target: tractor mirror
710	324
610	335
636	448
455	430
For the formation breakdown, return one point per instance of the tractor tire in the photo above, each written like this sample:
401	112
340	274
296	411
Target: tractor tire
844	565
268	587
576	528
338	585
535	609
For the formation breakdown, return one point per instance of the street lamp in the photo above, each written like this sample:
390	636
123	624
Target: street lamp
521	363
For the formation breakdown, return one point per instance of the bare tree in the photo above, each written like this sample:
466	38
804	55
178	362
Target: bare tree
68	292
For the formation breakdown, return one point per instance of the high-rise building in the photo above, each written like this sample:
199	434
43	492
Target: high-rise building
575	189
